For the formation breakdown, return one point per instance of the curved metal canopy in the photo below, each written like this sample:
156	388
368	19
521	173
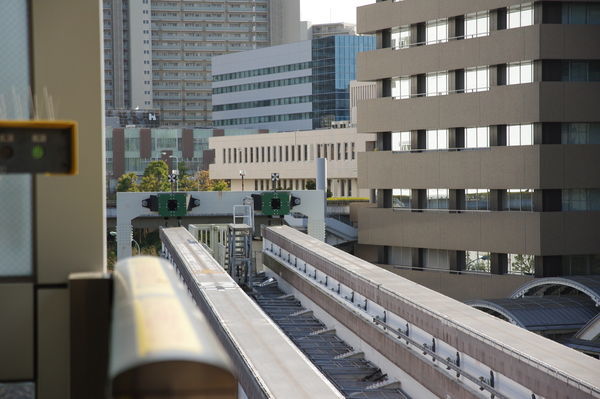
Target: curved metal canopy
541	313
588	285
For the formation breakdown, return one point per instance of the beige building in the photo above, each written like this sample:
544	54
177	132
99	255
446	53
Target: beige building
292	155
487	136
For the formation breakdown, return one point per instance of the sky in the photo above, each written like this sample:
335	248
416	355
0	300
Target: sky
324	11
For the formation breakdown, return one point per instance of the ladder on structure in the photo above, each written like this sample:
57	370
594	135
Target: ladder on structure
239	254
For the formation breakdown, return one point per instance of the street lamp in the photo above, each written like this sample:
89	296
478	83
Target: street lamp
114	234
174	171
242	174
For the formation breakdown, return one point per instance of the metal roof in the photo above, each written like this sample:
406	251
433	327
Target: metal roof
588	285
348	370
542	313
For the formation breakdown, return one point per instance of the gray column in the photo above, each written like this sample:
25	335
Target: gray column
548	266
499	263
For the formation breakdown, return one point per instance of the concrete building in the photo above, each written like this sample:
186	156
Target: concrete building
297	86
157	53
132	149
360	91
488	136
292	155
334	29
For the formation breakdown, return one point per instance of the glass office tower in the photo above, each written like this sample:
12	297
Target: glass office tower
334	66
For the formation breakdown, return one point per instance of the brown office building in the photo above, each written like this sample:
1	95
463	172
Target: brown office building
488	136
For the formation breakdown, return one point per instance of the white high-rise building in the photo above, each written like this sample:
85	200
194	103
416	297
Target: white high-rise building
158	52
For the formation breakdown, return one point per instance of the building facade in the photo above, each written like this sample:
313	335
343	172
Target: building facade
488	135
334	29
293	156
157	52
297	86
130	150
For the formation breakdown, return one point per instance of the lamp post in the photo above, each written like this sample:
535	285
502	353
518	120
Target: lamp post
174	171
114	234
242	174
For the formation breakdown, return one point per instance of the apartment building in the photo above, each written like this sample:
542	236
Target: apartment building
488	136
157	52
296	86
249	161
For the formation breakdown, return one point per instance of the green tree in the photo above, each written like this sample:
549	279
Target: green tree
310	185
219	185
522	264
155	177
183	170
128	183
203	182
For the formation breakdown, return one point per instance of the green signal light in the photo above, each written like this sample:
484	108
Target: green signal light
37	152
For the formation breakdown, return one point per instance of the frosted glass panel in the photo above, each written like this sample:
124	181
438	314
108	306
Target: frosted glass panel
15	226
15	190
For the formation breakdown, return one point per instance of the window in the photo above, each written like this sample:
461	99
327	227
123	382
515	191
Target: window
581	200
518	200
436	31
521	264
401	141
477	79
436	259
477	199
401	198
580	71
580	133
581	265
477	137
519	15
580	13
519	72
132	144
437	139
401	87
519	135
401	37
477	261
477	24
437	198
436	84
353	151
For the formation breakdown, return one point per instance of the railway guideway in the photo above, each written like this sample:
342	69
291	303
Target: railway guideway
446	346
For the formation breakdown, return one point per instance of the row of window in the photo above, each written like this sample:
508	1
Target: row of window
512	199
263	103
290	153
474	261
263	85
472	25
342	189
263	119
479	23
474	199
465	81
479	137
481	261
474	137
263	71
